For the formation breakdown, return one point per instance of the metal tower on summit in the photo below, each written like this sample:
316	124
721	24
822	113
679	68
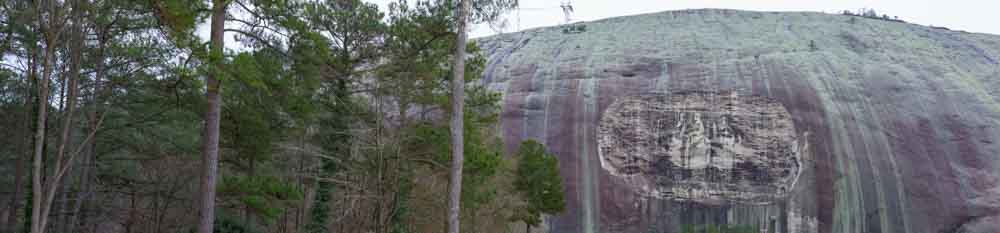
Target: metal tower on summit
567	8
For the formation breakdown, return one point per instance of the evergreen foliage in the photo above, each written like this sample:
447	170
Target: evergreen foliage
539	183
328	122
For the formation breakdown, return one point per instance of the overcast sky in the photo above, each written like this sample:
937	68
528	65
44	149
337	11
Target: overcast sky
969	15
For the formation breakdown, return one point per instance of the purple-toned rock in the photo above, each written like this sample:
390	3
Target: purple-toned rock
758	121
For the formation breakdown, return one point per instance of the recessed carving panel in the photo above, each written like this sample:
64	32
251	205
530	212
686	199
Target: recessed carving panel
706	147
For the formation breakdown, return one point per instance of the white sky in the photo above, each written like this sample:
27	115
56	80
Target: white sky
969	15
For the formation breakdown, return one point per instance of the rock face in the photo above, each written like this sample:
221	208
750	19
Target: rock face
704	147
784	122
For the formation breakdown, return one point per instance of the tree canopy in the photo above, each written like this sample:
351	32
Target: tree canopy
328	117
539	183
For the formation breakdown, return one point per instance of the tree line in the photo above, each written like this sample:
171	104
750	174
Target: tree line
317	116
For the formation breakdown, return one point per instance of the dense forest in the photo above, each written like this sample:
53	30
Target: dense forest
291	116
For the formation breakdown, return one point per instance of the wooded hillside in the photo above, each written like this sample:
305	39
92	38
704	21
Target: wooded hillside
291	116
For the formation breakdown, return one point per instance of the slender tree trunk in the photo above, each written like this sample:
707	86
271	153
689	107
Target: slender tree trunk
61	87
157	211
302	214
86	188
81	196
247	216
62	210
15	201
36	176
19	171
457	125
3	218
35	83
37	217
84	181
71	197
130	221
61	166
210	142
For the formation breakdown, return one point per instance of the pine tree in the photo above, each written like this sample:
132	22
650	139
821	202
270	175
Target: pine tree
539	183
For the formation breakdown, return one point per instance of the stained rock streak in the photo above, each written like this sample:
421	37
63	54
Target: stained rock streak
869	125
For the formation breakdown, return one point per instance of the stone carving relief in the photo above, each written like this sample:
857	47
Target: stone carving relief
705	147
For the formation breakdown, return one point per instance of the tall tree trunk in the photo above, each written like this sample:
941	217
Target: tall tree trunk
82	194
210	140
35	85
131	219
335	141
19	171
302	213
457	127
97	99
43	102
62	211
61	167
86	192
15	201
